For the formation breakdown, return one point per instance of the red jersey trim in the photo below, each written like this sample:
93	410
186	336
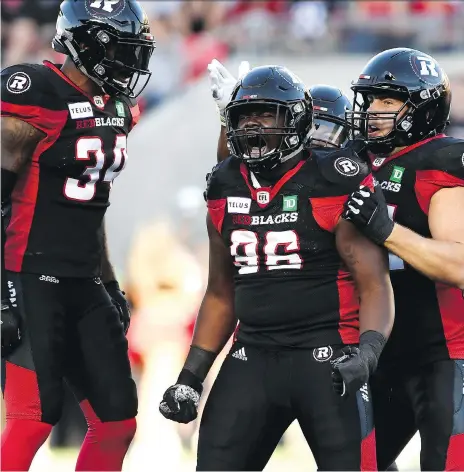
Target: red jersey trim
451	305
24	196
135	113
328	210
369	452
273	191
405	150
43	119
429	182
216	210
63	76
22	383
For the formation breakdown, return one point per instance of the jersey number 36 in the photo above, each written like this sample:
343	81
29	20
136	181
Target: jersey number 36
249	262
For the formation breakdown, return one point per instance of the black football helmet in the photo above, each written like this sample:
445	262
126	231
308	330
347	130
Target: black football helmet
282	92
109	41
408	75
330	127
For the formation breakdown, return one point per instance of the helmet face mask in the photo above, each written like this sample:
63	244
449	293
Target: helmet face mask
268	118
423	93
379	128
115	58
260	140
330	127
328	132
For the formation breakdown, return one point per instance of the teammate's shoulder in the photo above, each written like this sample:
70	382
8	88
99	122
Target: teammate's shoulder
20	78
219	175
342	167
448	155
26	84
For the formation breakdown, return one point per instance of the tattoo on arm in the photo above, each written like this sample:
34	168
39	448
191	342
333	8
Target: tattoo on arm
19	140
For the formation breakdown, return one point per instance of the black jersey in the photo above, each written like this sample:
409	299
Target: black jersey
429	323
291	287
58	204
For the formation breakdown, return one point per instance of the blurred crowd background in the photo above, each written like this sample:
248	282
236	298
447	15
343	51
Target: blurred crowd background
156	221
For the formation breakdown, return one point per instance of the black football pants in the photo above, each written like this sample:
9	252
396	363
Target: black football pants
259	392
72	333
430	400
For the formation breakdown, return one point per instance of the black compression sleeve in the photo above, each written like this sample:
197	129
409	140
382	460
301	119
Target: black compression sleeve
199	361
8	182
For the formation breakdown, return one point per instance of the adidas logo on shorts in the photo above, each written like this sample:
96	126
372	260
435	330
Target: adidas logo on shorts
49	278
240	354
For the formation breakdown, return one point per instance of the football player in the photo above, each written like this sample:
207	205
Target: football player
305	287
329	107
64	141
402	102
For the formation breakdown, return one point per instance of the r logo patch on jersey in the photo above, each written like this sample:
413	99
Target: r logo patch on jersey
104	8
346	166
323	354
19	82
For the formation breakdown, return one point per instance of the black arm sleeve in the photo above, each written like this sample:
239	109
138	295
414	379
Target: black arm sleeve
8	182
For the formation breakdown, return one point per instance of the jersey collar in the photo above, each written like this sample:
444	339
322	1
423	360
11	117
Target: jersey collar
258	193
63	76
378	162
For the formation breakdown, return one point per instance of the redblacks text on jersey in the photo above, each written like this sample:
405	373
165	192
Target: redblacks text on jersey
57	207
291	287
429	315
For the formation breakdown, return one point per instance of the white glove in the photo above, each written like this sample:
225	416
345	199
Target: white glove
222	83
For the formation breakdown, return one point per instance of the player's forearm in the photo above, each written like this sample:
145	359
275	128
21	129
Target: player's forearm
438	260
107	271
222	150
377	310
215	323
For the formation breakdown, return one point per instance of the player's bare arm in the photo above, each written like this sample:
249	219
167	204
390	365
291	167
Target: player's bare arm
369	268
442	257
216	320
215	324
19	140
368	264
107	271
111	284
222	149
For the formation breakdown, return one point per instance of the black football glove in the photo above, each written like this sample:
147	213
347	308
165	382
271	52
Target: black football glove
351	370
180	401
119	301
10	329
368	211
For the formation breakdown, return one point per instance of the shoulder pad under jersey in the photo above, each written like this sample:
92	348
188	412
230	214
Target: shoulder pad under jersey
341	167
449	157
221	177
26	85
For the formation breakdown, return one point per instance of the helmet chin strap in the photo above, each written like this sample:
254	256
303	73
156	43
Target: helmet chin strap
292	154
79	65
